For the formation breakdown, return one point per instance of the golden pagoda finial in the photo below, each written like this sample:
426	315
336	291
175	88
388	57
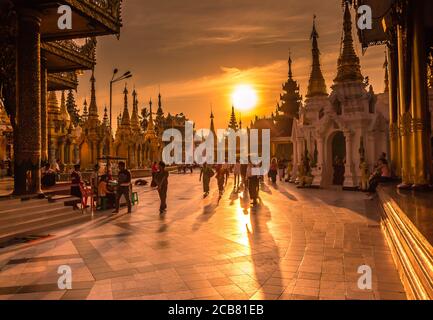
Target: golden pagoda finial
212	117
290	65
126	120
135	121
93	108
349	68
317	85
150	126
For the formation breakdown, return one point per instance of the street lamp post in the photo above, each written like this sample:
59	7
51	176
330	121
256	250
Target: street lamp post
126	75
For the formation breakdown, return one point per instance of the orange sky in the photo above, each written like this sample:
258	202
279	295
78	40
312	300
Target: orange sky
198	50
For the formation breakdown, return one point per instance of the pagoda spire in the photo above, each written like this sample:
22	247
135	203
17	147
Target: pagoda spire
105	120
53	103
135	121
291	98
290	66
151	125
385	66
316	85
233	124
212	124
349	68
240	121
63	110
85	112
93	108
126	122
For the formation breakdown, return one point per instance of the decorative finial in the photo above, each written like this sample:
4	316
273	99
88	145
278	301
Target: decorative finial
316	85
290	65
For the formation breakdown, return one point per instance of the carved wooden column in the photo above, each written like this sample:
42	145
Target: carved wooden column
28	121
421	154
349	179
44	112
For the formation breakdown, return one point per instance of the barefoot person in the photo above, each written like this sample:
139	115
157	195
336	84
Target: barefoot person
206	174
162	183
124	187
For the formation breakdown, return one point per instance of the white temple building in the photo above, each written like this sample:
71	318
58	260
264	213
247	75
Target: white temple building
337	130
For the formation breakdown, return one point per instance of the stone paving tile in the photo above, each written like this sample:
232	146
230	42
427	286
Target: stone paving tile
298	244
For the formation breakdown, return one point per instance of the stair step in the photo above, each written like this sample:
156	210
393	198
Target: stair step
28	215
18	210
45	227
18	204
16	227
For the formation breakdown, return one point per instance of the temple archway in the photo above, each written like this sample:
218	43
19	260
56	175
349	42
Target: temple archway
85	155
338	153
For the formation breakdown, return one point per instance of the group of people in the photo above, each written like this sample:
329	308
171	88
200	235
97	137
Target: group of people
51	172
281	170
242	175
104	190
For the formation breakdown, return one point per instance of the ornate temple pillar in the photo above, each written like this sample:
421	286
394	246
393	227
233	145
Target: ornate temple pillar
405	115
394	141
53	149
27	144
320	161
62	151
44	112
421	127
349	179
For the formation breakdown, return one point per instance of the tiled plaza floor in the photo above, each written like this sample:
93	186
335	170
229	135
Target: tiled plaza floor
299	244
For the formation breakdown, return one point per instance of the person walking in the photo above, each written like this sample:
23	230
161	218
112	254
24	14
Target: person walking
226	171
124	187
253	185
237	176
154	173
281	170
273	171
206	174
244	168
162	183
220	176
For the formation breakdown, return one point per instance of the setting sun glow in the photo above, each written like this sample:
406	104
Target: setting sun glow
244	97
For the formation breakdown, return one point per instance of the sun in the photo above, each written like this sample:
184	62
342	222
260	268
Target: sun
244	97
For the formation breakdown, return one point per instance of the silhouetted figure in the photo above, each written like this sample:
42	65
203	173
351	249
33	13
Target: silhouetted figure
206	174
253	185
124	187
76	182
162	182
154	172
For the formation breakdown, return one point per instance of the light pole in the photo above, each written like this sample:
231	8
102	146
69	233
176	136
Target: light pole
126	75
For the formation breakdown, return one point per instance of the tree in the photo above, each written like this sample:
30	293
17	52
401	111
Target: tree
72	108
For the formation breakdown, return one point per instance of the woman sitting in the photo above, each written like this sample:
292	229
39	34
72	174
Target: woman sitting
105	193
382	174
